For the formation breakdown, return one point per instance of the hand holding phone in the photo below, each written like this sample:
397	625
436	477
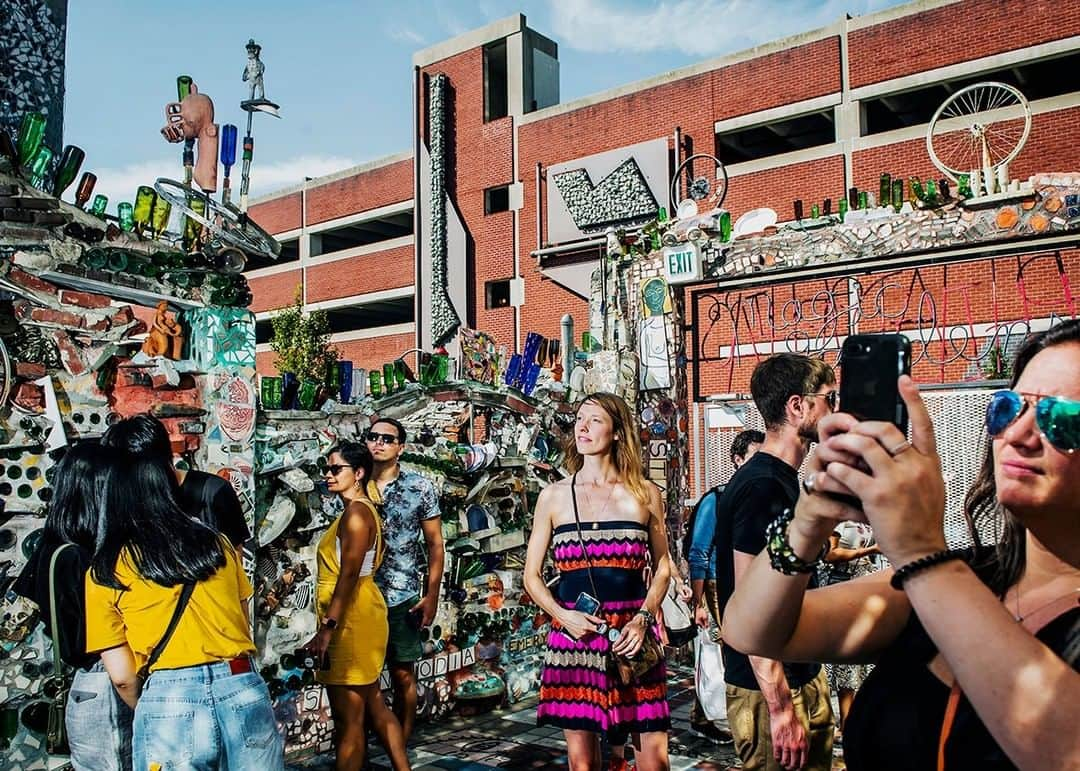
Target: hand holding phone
870	366
590	606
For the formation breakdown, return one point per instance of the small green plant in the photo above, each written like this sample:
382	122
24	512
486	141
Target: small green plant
995	365
302	341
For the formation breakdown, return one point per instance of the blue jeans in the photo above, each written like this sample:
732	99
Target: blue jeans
205	717
98	723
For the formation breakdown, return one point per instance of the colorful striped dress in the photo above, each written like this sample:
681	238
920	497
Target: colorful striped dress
576	691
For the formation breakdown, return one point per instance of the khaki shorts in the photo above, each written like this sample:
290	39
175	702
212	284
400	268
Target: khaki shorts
748	719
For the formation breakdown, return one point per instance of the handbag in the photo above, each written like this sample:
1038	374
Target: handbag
56	740
628	669
678	621
155	653
709	676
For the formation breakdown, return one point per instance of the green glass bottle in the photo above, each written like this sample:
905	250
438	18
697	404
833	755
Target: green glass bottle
183	87
160	216
963	186
118	260
100	203
915	190
388	376
884	189
71	160
144	206
192	227
930	193
725	226
842	207
125	212
95	258
31	135
898	193
375	383
39	169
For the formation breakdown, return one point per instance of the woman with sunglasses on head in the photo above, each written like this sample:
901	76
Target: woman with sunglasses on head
98	722
168	594
605	525
351	642
977	650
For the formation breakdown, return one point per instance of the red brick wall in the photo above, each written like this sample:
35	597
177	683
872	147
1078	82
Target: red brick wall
277	290
812	181
367	353
382	186
955	33
374	272
278	215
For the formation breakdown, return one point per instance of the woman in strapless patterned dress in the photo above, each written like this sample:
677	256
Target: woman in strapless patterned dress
607	521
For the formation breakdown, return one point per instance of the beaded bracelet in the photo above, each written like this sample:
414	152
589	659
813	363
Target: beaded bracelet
650	619
781	556
902	574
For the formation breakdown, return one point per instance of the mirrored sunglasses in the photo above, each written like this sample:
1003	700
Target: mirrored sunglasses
1058	419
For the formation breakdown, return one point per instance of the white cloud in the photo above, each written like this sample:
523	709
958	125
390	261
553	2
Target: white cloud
119	184
405	34
694	27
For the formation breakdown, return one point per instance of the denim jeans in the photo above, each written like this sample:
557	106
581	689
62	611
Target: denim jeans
205	717
98	723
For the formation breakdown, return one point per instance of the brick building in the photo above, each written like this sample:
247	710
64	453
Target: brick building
805	118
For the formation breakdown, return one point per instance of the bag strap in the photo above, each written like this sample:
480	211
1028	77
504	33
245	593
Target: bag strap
581	538
1033	624
155	653
57	666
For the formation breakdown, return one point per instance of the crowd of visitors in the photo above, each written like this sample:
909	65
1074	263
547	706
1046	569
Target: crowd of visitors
839	584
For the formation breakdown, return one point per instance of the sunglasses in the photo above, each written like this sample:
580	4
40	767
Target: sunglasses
1058	419
832	399
335	468
375	438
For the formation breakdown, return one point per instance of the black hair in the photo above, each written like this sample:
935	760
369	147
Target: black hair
357	455
402	437
143	521
79	491
782	376
140	435
742	442
1009	556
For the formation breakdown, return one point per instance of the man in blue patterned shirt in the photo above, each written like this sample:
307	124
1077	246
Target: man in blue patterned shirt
410	507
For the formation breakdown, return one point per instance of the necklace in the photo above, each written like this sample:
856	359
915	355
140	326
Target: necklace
1019	617
597	517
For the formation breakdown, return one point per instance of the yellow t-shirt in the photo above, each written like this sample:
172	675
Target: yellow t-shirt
212	628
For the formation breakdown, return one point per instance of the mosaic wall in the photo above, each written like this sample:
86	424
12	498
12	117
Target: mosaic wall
623	196
33	35
444	319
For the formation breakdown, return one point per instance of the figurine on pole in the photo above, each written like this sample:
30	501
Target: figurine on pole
253	75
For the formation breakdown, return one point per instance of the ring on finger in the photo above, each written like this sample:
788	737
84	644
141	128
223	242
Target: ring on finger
904	446
808	482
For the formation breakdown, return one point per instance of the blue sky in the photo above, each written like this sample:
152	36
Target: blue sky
342	71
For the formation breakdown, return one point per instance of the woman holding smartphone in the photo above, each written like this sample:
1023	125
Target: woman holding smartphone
353	628
976	650
604	525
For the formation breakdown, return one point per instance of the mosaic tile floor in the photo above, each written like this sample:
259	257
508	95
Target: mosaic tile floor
510	738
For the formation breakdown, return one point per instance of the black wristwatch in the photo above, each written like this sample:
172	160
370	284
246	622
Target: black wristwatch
330	623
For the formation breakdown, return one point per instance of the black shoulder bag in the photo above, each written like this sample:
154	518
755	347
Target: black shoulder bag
56	738
627	669
144	671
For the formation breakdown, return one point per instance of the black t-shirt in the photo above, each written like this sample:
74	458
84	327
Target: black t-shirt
210	499
895	721
33	583
758	492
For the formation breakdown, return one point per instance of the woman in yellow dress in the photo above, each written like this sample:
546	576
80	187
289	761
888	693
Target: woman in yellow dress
351	641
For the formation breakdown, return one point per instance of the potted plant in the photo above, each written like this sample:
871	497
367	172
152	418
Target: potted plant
304	353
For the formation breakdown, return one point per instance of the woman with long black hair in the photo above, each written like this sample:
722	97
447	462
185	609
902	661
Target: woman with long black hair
98	721
203	706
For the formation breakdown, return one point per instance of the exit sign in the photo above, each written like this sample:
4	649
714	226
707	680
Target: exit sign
682	263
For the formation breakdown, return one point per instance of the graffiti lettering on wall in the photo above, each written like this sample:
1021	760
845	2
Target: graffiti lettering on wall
971	315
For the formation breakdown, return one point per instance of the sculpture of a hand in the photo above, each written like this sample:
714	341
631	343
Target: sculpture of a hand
193	118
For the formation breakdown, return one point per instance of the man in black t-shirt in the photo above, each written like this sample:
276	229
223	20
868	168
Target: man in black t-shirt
778	713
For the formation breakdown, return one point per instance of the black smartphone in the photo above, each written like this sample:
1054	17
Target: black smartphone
869	367
587	604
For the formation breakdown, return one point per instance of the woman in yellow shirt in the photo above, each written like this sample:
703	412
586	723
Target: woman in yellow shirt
353	628
203	705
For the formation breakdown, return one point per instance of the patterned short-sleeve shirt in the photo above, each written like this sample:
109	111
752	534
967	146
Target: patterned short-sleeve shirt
406	502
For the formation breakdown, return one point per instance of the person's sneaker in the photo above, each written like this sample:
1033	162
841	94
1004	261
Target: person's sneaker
711	731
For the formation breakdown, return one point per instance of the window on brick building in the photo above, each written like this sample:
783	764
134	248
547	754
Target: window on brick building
364	233
347	318
496	96
776	137
290	252
497	199
264	331
497	294
1041	79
